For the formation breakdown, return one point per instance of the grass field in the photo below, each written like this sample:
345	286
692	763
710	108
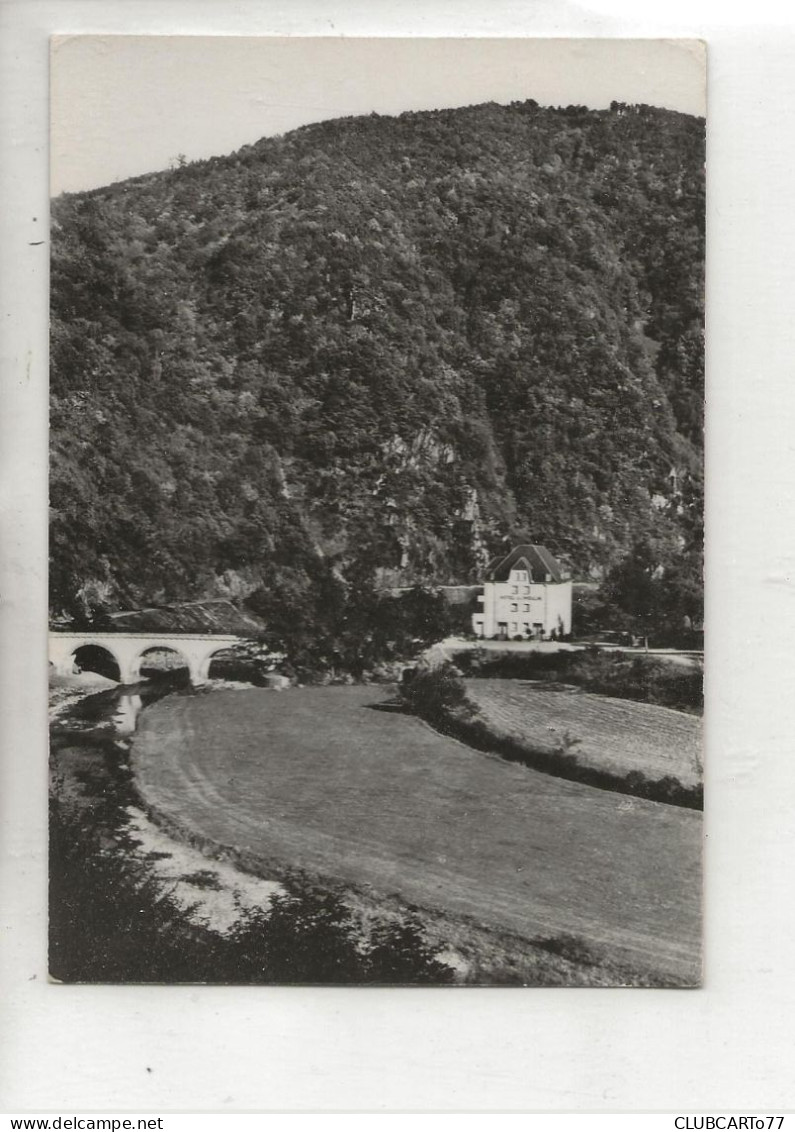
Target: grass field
615	735
315	779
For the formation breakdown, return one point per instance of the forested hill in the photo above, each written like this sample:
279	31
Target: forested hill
376	349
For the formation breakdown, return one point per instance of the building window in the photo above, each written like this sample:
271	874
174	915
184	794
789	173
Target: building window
514	607
527	589
513	627
515	589
526	607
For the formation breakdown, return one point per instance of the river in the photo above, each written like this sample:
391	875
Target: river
92	726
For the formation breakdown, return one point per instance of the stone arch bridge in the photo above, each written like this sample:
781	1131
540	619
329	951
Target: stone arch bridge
127	649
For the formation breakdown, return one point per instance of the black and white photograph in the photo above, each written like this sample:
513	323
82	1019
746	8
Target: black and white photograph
376	597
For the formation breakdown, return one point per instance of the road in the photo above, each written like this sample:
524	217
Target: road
445	650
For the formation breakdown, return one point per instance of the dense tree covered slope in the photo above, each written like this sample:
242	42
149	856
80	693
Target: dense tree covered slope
376	348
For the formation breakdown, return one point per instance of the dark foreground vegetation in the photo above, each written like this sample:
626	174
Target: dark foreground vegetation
112	921
438	695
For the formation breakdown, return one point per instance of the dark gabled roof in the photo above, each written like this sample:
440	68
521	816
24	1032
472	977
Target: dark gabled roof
215	616
537	560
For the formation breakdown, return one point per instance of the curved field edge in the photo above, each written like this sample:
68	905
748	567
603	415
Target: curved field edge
614	735
470	724
562	953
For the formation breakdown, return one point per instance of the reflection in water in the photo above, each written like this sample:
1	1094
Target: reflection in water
120	706
126	713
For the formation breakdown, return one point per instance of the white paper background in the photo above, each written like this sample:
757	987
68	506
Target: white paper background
727	1046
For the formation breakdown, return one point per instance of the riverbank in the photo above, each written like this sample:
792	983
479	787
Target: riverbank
67	691
92	792
132	902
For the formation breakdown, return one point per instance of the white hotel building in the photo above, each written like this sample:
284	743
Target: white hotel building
526	593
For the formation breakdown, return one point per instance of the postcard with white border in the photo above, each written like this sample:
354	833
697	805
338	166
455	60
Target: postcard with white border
376	484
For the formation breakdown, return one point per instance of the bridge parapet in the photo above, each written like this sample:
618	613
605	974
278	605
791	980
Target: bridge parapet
127	649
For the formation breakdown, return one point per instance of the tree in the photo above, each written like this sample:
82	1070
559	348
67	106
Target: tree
652	595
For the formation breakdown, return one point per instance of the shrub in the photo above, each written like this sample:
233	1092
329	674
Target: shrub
647	679
397	953
431	692
570	947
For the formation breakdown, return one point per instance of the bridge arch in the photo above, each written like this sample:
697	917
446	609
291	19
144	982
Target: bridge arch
94	656
206	662
128	650
154	646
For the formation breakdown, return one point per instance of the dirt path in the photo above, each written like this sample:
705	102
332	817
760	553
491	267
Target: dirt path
315	779
447	649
